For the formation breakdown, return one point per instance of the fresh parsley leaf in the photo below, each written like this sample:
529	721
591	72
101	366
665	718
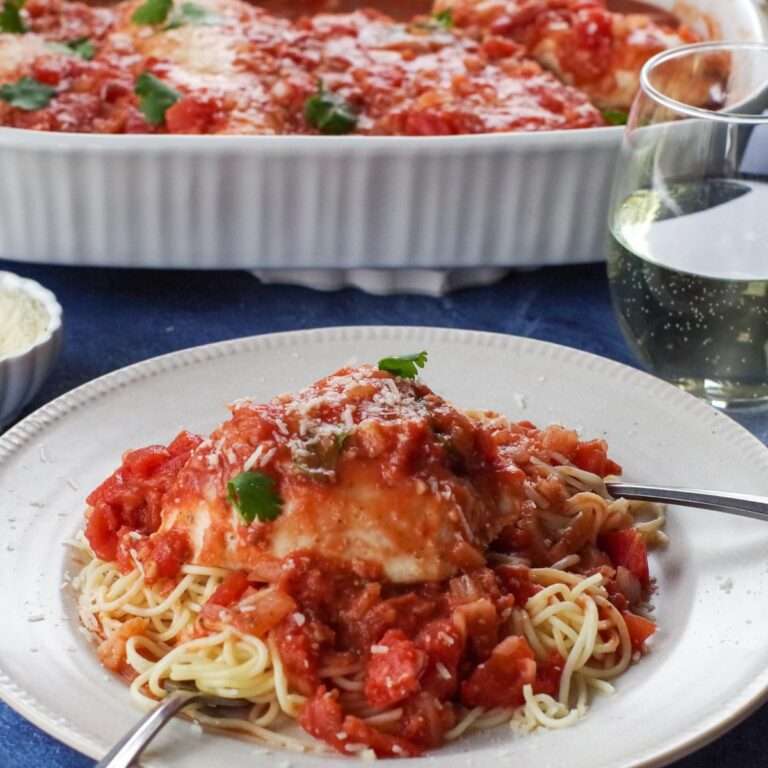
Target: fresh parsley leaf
615	116
329	112
441	21
254	496
152	12
81	47
155	98
404	365
27	94
194	15
10	17
444	19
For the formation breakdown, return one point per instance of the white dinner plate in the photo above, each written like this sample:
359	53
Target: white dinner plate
709	663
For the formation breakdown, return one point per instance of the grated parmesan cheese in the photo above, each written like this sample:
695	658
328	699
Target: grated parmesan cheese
253	459
379	649
24	321
267	457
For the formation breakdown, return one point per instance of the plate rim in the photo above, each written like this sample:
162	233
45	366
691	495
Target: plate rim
22	702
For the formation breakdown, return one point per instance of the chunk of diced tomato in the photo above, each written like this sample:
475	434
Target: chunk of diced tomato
516	579
131	498
444	646
323	718
384	745
230	590
593	457
144	462
499	681
560	439
426	720
184	443
168	551
640	629
101	530
299	654
190	115
393	670
628	548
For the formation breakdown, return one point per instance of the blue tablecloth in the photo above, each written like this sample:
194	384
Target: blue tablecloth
116	317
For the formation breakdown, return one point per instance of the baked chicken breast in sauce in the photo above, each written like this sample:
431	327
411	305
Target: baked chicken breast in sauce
370	468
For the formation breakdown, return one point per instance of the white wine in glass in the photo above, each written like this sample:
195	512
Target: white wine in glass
688	248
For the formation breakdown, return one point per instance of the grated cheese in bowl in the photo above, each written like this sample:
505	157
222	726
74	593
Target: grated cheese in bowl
23	320
30	338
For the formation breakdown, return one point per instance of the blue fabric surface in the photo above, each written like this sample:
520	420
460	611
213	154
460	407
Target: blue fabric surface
117	317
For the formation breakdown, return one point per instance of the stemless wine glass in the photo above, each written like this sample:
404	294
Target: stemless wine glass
688	250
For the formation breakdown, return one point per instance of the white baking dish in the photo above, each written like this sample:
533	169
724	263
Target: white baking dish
318	203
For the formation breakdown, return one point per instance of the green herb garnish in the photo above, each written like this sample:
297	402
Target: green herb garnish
615	116
329	112
194	15
443	19
152	12
10	17
28	94
318	457
254	496
81	47
404	365
155	97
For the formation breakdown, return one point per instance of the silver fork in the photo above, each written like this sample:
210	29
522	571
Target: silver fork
741	504
125	753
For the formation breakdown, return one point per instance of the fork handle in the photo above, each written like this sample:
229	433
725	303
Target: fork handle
130	747
741	504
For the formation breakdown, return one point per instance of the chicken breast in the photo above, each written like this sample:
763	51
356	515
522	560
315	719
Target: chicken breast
369	469
582	43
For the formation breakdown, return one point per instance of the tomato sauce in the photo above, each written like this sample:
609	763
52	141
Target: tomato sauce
127	506
253	72
428	650
405	10
426	647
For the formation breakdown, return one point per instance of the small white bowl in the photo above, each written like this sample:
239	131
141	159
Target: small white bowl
22	374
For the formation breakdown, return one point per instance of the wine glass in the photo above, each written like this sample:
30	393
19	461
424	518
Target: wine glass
688	247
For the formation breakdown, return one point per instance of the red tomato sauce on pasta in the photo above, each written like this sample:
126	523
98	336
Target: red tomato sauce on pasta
383	549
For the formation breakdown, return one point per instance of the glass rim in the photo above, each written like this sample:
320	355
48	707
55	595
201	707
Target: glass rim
681	107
